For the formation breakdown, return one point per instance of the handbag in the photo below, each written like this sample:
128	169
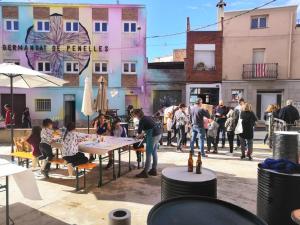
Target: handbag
239	126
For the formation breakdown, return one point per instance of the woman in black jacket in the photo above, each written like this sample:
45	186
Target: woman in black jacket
248	122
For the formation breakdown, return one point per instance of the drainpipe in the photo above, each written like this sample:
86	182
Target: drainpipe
290	47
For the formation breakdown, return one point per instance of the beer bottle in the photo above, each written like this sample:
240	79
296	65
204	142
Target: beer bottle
199	164
190	163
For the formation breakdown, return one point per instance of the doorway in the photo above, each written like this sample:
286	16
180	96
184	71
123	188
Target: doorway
19	106
131	100
266	98
70	109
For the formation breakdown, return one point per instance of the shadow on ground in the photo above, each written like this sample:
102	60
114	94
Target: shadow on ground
24	214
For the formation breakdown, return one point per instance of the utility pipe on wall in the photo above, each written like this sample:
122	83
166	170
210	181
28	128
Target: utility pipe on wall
290	47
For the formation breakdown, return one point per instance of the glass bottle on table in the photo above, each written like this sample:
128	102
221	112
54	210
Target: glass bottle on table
199	164
190	163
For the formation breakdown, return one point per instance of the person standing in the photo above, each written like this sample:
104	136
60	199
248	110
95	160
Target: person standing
181	120
197	114
9	116
149	129
212	132
289	114
237	111
26	119
248	122
221	112
169	128
230	126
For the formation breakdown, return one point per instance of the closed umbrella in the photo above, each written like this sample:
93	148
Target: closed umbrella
87	108
101	102
12	75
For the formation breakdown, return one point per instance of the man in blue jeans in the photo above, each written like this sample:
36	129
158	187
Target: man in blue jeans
197	114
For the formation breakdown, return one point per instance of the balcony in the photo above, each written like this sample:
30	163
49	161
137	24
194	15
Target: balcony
261	71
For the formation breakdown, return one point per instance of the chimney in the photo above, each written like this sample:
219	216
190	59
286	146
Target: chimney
221	5
188	25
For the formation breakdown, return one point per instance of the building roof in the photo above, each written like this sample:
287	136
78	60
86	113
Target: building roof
166	65
264	8
69	2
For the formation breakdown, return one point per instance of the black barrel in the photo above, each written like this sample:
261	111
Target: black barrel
277	196
286	145
194	210
176	182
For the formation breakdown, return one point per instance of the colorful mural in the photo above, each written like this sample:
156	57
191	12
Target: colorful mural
58	39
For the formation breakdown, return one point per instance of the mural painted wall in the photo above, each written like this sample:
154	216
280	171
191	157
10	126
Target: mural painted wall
115	47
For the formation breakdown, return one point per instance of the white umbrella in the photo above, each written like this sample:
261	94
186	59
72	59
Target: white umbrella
12	75
87	108
101	102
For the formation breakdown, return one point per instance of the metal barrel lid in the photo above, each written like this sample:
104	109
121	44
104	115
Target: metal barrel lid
195	210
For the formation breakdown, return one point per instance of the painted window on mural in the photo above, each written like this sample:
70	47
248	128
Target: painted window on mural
11	25
71	26
100	67
42	26
100	26
44	67
129	68
236	94
129	27
13	61
204	57
43	105
259	22
71	67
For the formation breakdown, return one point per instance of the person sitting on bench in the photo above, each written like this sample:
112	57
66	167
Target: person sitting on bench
69	150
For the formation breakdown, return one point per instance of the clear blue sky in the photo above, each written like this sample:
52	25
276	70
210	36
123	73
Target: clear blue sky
169	16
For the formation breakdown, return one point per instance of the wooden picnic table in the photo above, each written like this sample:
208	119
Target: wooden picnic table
102	149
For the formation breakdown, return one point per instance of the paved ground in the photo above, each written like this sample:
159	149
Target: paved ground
61	205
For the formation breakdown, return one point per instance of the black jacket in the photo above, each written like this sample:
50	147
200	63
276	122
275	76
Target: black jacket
289	114
248	123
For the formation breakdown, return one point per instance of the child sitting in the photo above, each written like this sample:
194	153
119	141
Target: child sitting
117	129
45	146
70	148
212	132
34	140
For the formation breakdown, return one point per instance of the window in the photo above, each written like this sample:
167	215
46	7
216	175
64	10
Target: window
11	25
236	94
42	26
43	105
129	67
100	67
100	26
14	61
44	67
204	57
259	22
129	27
71	67
71	26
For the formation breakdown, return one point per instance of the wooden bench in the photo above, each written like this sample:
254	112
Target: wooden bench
58	161
27	156
140	156
83	167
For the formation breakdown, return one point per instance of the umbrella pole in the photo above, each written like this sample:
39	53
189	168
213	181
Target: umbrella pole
88	124
11	117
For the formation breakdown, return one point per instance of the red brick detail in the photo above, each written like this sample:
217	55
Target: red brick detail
100	14
10	12
73	80
129	80
130	14
71	13
41	12
204	37
96	78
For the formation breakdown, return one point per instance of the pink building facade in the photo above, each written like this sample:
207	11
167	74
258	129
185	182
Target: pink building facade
75	41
